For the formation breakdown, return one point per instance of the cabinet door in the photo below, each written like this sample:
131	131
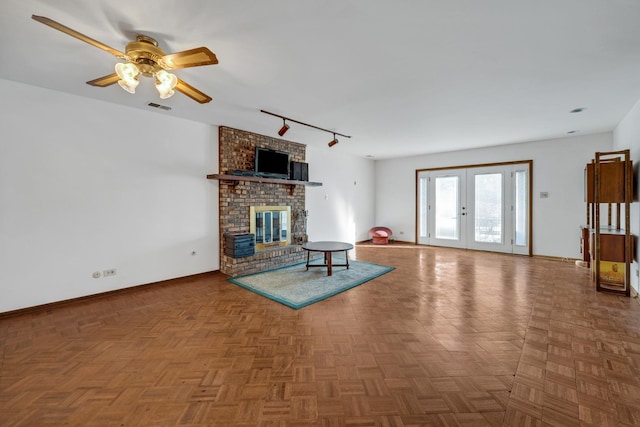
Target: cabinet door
611	182
612	247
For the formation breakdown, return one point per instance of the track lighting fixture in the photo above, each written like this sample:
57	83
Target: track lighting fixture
285	127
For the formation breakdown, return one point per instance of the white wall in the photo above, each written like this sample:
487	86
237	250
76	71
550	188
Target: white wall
87	186
343	208
627	136
558	168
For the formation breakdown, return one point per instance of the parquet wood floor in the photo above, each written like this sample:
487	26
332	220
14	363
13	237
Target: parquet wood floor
449	338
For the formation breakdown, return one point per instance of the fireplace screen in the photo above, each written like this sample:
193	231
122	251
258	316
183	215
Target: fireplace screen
270	225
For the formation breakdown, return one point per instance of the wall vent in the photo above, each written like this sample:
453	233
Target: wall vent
163	107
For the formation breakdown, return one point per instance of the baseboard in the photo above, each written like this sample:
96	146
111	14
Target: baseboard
556	258
64	303
391	242
401	242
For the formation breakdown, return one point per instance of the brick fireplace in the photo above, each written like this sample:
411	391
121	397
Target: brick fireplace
236	152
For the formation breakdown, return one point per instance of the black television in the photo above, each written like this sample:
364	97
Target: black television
271	163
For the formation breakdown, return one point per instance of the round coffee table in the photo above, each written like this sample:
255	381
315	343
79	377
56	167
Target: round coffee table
328	248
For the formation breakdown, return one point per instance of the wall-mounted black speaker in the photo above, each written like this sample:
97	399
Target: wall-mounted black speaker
299	171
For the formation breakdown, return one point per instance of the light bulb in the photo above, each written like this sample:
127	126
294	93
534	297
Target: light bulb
167	94
129	86
128	74
165	82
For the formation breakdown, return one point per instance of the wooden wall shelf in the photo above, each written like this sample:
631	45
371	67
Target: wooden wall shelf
238	178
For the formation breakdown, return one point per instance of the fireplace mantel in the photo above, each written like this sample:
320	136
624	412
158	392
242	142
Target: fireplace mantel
236	178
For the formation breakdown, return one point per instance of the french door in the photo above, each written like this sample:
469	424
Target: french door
483	208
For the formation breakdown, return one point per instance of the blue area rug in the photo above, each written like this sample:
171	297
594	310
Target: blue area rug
295	287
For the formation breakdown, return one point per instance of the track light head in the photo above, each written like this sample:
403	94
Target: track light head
333	142
284	128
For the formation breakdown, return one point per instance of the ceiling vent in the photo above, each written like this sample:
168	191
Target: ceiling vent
162	107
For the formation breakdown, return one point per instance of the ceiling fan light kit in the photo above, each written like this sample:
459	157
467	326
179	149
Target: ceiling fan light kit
143	56
285	127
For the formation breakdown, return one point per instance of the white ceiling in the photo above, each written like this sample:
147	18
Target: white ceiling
402	77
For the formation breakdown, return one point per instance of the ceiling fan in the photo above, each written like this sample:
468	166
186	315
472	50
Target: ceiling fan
144	57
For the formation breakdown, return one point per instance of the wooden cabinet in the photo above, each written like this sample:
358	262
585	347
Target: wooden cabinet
610	246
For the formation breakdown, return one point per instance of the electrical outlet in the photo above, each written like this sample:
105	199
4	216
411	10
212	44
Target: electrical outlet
110	272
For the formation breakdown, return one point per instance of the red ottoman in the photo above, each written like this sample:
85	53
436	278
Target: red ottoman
380	235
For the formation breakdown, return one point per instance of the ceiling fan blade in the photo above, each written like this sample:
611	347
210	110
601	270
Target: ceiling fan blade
192	92
188	58
104	81
73	33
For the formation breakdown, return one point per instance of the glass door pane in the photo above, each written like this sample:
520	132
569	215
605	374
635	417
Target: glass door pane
267	227
447	190
284	227
521	209
488	208
259	227
423	232
276	225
